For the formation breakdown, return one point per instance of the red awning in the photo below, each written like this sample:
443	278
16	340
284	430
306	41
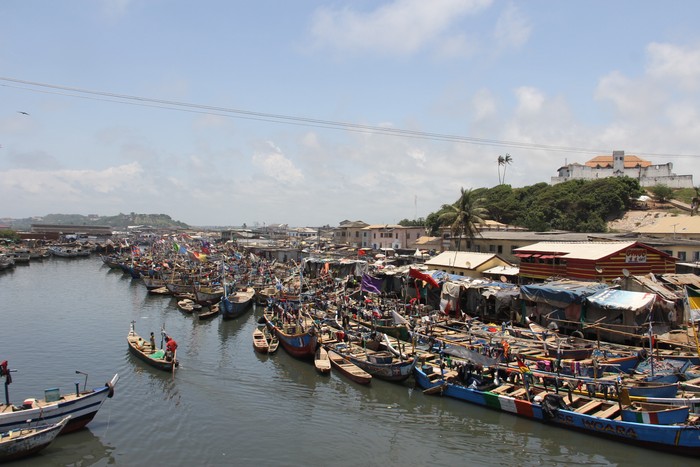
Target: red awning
523	255
547	257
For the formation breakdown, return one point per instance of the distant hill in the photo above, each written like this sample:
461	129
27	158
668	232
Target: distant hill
118	222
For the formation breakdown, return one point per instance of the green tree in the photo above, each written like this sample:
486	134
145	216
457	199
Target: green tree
463	216
662	193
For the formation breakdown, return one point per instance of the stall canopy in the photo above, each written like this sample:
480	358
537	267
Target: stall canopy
614	299
561	293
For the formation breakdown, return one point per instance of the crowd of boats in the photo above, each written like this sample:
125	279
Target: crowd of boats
645	395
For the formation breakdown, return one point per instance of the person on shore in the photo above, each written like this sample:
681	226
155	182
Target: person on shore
170	348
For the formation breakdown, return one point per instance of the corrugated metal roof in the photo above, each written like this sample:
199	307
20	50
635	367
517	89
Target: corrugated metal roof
681	280
652	285
460	259
576	250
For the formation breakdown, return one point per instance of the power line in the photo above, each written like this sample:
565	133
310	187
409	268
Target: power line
297	120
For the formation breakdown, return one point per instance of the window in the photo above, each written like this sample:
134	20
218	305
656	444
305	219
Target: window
696	256
492	248
513	248
357	234
500	249
681	255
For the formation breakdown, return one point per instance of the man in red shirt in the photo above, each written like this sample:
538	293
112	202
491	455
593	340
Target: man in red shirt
170	347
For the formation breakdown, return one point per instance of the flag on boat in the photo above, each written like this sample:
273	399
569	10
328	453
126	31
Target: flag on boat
201	257
135	250
371	284
176	247
523	367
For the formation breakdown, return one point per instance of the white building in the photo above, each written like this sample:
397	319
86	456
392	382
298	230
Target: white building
619	165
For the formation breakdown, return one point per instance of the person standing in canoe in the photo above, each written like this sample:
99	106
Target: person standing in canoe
170	348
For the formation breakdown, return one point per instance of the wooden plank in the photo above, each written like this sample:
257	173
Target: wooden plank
589	407
503	389
609	412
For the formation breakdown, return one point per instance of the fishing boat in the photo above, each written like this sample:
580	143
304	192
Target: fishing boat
236	304
26	441
652	389
148	352
350	370
321	361
299	340
379	364
208	313
82	406
657	414
272	341
260	343
589	415
188	305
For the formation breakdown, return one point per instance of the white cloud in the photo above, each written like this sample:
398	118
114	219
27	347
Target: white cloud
56	191
115	8
675	65
512	28
273	164
400	27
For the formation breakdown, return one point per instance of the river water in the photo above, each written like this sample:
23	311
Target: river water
227	405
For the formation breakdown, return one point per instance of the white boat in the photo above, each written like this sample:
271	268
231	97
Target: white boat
82	406
23	442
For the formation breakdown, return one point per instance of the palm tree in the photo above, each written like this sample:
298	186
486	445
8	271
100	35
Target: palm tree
503	161
463	216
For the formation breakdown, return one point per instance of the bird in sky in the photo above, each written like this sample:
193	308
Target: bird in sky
22	112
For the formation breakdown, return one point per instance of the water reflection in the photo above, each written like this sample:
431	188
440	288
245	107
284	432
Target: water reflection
81	448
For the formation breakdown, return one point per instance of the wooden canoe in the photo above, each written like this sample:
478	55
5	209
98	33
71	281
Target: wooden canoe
209	313
348	369
23	442
143	350
260	343
272	341
321	362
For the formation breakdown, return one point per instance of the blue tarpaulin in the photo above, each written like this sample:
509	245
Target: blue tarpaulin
560	294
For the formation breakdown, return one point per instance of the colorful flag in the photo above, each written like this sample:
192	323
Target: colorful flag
523	367
176	247
371	284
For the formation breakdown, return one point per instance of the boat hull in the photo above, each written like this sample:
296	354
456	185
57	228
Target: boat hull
82	409
672	438
29	441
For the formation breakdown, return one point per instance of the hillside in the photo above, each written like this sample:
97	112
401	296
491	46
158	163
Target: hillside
120	221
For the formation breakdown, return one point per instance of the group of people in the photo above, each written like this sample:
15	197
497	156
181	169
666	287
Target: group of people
170	346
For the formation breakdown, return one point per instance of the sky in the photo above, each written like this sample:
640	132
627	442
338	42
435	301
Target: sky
309	113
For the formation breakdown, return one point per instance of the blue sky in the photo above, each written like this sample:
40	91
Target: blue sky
156	106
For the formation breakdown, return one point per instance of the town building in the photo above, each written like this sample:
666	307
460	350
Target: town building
591	261
349	233
466	263
620	165
392	236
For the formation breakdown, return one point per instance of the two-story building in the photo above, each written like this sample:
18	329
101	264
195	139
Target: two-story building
393	236
349	233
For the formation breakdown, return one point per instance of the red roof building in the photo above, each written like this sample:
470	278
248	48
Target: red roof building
591	261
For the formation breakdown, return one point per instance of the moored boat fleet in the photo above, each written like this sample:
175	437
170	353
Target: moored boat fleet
644	392
646	395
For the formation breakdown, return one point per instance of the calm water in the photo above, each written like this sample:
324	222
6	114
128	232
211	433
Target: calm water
227	405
